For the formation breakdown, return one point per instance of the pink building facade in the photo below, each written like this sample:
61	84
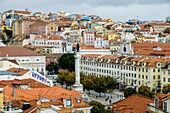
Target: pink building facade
88	38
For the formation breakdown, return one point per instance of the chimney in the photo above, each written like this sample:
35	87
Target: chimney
14	91
7	55
29	85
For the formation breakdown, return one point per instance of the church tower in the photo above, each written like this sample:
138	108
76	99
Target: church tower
126	46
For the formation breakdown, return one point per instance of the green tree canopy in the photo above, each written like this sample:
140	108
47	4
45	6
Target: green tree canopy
88	84
52	68
97	107
145	91
62	76
167	30
70	79
67	61
166	89
129	91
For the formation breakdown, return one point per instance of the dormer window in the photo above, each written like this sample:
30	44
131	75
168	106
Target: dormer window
68	102
107	61
165	106
115	61
86	59
93	59
158	64
156	103
133	63
101	60
143	64
78	100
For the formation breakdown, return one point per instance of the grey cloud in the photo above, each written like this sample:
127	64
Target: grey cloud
116	9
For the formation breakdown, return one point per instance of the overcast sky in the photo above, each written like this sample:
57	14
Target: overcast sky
118	10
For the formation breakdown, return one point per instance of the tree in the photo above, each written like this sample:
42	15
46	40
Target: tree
62	76
97	107
167	30
70	79
129	91
145	91
52	68
166	89
88	84
110	82
67	61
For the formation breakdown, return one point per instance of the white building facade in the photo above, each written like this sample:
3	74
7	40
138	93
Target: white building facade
25	58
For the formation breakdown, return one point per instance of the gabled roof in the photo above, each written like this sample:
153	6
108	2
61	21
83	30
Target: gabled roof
132	104
19	71
55	37
33	83
13	51
55	92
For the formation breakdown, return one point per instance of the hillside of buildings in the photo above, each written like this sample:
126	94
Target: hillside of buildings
79	63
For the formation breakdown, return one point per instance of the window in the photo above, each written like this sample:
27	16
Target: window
68	103
143	69
78	100
153	70
142	76
159	76
135	68
146	70
168	72
135	75
164	79
156	103
158	70
139	76
168	79
165	106
153	77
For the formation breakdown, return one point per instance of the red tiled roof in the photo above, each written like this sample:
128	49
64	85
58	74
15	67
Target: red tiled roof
19	71
16	51
22	12
33	83
55	37
132	104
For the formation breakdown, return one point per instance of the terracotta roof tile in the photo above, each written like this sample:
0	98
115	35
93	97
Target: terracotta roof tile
16	51
128	105
19	71
55	37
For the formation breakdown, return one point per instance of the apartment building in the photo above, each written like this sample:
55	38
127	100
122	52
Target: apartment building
130	70
88	38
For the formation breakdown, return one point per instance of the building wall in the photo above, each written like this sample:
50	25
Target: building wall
112	36
88	39
125	73
1	99
36	63
52	28
100	43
